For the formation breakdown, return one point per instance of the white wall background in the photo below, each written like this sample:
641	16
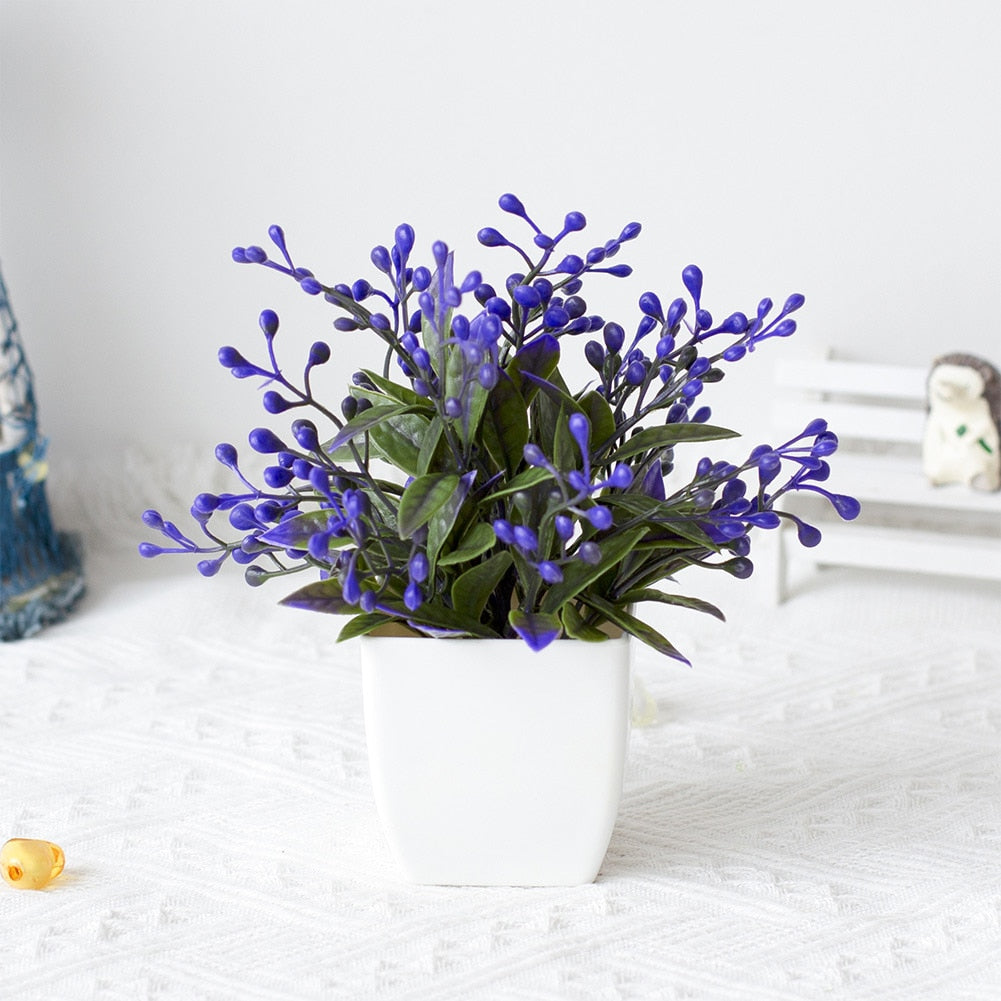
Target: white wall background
846	150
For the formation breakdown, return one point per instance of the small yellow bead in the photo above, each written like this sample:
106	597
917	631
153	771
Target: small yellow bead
29	864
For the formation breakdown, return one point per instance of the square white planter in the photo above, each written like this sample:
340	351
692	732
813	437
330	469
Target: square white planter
493	765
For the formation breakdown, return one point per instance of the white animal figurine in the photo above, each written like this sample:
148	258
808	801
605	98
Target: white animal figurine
961	442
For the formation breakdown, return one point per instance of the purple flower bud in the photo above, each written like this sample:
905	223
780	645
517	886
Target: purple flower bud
699	367
570	265
703	319
488	375
255	255
418	567
345	324
764	308
380	258
231	358
630	232
421	279
453	408
404	240
734	353
614	337
147	550
302	469
635	373
574	222
550	572
226	454
701	415
206	503
676	311
413	597
380	321
619	270
589	553
277	477
422	359
665	346
209	568
580	428
596	255
525	538
511	203
534	455
265	441
305	434
242	518
794	302
579	482
239	254
311	286
595	354
650	305
527	296
361	290
319	353
826	444
622	476
692	278
421	388
564	526
599	516
556	317
499	307
691	389
489	237
350	586
153	519
504	531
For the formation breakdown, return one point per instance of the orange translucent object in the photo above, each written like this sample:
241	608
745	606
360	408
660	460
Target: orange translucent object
30	864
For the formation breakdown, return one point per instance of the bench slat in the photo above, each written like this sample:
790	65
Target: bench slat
888	382
899	480
851	420
908	550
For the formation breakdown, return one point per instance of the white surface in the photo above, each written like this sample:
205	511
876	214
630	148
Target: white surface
492	768
845	150
816	813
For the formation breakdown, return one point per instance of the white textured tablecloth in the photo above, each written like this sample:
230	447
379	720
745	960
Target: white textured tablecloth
816	812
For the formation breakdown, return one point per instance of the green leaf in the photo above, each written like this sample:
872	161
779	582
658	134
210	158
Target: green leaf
595	407
320	596
576	628
476	541
402	394
443	520
505	425
577	574
399	439
361	423
361	624
437	616
472	589
421	499
539	358
433	451
667	435
635	627
523	481
651	594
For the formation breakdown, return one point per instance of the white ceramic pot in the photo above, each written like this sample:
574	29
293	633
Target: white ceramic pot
493	765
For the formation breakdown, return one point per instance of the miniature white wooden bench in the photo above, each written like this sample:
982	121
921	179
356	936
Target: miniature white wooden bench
906	524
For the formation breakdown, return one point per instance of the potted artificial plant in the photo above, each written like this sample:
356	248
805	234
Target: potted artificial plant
462	490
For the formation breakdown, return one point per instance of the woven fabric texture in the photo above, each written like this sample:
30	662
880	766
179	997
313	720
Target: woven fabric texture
815	812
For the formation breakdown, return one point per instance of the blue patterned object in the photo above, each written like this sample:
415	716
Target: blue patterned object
41	578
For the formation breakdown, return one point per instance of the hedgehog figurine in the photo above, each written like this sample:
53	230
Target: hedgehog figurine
963	428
